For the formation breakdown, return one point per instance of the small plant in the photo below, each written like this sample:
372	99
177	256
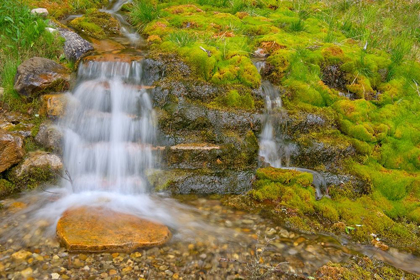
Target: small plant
143	12
297	26
348	229
182	38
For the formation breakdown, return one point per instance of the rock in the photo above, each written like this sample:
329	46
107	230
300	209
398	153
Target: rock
49	136
40	12
21	255
74	46
152	71
39	159
201	181
38	167
26	272
1	92
40	75
96	229
55	276
11	150
53	105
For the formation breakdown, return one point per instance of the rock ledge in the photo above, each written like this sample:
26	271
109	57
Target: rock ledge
96	229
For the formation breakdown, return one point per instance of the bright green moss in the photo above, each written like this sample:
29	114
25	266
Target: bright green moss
96	24
235	100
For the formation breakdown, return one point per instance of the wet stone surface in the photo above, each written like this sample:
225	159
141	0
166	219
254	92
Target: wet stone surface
229	245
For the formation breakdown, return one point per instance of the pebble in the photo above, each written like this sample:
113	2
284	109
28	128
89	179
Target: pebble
21	255
213	252
27	272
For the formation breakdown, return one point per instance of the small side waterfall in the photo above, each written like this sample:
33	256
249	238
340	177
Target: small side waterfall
275	149
109	129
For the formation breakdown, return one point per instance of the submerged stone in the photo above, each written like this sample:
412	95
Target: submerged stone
95	229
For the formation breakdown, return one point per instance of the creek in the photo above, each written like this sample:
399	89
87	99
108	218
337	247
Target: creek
109	143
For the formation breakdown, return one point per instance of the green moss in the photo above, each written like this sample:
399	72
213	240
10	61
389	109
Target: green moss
96	24
6	188
233	99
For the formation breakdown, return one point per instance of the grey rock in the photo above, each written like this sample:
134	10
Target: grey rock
40	12
75	46
49	136
179	181
153	70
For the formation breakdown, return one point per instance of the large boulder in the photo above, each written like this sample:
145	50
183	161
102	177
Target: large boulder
38	167
11	150
74	46
39	75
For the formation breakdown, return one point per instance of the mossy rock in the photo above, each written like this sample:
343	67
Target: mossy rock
96	24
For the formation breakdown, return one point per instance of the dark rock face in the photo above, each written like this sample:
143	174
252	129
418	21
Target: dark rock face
74	46
213	149
153	70
40	75
11	150
180	181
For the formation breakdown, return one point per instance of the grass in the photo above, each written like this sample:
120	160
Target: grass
23	36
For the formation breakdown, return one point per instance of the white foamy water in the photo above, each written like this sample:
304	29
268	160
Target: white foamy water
109	130
273	146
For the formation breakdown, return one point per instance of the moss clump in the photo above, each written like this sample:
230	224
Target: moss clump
233	99
6	188
96	24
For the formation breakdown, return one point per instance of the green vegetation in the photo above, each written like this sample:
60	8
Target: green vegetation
22	36
96	24
356	61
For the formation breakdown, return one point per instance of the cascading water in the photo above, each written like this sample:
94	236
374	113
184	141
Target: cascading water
109	129
273	144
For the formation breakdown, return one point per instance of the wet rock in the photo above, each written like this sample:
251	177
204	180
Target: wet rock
74	46
38	167
313	153
49	136
153	70
40	12
99	230
201	181
40	75
11	150
53	105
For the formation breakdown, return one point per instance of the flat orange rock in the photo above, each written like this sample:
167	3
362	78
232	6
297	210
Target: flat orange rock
96	229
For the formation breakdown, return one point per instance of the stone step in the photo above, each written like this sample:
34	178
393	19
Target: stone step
108	231
201	181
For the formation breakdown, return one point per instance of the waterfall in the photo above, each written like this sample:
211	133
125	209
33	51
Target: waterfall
109	129
273	143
